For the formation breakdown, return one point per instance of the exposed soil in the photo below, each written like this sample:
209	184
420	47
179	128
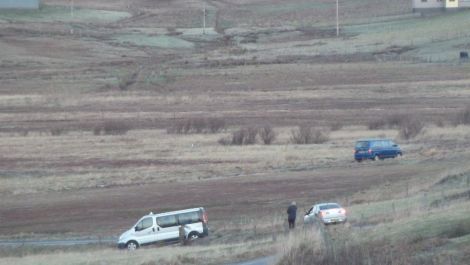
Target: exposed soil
113	209
55	77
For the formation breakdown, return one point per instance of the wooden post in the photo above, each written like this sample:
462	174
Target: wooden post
182	235
72	8
204	21
337	18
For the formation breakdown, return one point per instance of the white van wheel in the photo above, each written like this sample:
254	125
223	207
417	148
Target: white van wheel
376	158
132	245
193	236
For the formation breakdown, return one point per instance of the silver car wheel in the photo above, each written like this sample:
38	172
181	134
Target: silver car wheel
131	246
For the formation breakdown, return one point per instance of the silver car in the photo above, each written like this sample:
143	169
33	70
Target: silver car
327	213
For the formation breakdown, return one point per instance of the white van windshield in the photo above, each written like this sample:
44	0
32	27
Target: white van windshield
144	224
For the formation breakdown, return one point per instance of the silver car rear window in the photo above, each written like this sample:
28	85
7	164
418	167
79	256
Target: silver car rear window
329	206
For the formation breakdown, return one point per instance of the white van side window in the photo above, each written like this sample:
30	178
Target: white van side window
189	218
144	224
167	221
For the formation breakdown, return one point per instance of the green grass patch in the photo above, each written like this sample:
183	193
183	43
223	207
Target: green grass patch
272	9
162	41
61	14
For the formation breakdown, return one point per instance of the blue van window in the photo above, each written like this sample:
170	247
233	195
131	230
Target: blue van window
362	144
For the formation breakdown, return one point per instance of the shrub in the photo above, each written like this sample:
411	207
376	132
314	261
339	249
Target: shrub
57	131
376	124
410	127
301	135
197	125
250	135
216	125
320	136
127	80
440	123
395	120
97	130
463	117
238	137
308	135
245	136
267	134
225	141
336	126
24	132
112	128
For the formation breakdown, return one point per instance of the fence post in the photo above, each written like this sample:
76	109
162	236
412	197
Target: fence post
182	236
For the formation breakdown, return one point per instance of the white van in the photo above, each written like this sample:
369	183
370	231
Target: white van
153	228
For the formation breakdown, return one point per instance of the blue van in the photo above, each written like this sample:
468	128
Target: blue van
376	149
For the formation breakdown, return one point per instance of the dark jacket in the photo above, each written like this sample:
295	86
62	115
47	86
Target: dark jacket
292	212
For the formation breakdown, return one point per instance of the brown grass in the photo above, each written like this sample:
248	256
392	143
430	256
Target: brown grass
251	76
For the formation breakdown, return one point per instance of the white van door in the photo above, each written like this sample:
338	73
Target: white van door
167	227
145	230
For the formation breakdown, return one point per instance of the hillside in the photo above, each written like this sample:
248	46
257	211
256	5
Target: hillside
112	109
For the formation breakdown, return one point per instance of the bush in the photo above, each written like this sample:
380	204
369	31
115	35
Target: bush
320	136
267	134
57	131
127	80
112	128
215	125
463	117
336	126
225	141
24	132
308	135
396	120
376	124
238	137
197	125
301	135
97	130
440	123
245	136
410	127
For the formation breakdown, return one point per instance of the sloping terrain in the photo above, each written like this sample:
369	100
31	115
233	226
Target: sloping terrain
90	98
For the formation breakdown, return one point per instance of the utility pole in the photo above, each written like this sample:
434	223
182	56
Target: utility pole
71	8
337	18
204	20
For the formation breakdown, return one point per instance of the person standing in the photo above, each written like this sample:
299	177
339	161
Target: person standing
292	214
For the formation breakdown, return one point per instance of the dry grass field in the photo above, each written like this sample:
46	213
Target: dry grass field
90	102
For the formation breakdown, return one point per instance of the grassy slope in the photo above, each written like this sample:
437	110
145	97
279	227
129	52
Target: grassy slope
412	214
426	225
